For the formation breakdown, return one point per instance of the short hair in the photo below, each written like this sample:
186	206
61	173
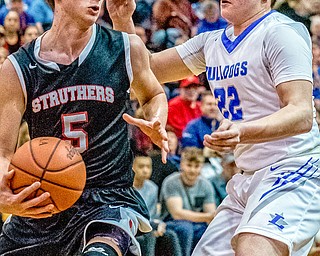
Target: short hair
206	93
51	3
273	2
192	154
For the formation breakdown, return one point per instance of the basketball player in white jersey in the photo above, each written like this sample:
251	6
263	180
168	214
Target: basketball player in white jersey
259	69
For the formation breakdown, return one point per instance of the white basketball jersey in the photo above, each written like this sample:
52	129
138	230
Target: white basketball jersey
243	73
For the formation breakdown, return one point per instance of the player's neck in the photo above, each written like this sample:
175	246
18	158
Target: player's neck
241	26
63	44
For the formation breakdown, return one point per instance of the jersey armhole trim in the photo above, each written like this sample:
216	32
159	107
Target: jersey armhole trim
20	76
127	56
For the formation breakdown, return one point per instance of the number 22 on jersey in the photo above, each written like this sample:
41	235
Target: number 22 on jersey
229	102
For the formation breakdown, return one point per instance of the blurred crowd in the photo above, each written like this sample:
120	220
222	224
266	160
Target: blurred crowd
194	174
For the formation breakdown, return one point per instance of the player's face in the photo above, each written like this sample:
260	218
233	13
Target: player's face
190	172
238	11
83	12
142	167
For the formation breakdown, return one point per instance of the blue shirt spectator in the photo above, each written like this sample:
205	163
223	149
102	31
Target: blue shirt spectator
211	17
42	13
195	130
205	25
193	134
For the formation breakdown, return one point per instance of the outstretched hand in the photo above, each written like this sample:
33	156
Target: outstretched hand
120	10
154	130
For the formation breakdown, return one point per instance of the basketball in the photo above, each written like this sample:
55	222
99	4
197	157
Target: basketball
56	164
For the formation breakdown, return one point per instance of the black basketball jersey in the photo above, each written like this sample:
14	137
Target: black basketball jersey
83	102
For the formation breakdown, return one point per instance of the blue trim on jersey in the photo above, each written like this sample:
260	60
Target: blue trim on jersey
229	45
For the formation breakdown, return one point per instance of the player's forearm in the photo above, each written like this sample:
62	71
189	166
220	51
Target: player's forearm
5	158
124	26
157	107
288	121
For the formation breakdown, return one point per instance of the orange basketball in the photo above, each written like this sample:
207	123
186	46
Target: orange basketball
56	164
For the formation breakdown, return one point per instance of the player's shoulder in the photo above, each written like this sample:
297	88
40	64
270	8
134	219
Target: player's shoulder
209	36
279	29
280	23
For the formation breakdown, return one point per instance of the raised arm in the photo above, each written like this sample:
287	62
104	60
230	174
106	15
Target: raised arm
11	110
121	12
166	65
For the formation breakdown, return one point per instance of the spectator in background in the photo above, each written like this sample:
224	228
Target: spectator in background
173	19
142	167
42	14
142	14
160	170
219	182
211	17
18	6
296	10
2	36
174	14
185	107
312	6
315	27
12	32
187	200
194	132
173	155
316	69
30	33
141	144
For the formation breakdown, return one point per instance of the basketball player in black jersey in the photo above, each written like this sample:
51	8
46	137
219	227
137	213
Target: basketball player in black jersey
73	83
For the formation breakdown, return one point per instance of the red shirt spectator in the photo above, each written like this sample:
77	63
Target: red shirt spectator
184	107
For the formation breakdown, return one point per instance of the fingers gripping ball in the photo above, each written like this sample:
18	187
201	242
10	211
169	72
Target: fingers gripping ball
56	164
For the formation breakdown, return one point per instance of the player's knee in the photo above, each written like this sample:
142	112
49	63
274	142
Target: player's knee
99	249
109	235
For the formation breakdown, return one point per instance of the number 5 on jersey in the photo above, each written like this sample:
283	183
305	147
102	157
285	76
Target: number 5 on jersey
72	131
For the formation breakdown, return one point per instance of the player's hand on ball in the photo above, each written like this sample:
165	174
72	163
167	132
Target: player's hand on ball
18	204
224	139
154	130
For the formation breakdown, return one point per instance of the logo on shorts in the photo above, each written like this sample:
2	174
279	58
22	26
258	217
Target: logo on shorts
278	221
